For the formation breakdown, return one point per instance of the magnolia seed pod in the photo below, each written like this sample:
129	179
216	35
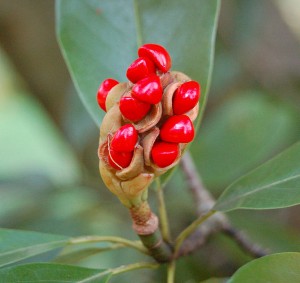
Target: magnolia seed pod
131	184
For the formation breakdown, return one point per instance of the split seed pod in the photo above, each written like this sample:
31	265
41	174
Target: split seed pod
131	184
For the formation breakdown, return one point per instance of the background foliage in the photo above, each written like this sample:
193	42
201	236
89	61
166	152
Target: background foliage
48	171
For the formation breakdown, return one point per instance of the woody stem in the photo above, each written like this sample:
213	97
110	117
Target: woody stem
146	225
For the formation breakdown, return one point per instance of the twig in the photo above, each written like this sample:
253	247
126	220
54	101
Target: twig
111	239
242	240
156	246
163	217
191	229
77	255
171	272
146	226
204	200
217	223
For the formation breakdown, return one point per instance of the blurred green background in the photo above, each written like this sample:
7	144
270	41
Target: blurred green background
49	179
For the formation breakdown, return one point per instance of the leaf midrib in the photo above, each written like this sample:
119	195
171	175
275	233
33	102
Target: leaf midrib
21	250
260	189
137	19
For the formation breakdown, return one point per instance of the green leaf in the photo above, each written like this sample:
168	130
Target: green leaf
99	39
215	280
276	268
78	255
275	184
17	245
284	237
30	143
53	273
240	134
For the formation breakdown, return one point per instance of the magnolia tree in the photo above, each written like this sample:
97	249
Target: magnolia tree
146	126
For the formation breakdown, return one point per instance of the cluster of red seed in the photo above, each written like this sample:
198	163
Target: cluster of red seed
147	90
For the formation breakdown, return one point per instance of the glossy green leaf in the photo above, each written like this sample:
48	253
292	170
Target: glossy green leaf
275	184
52	273
276	268
17	245
240	134
99	39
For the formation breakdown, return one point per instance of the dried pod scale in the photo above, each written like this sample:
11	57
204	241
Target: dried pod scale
148	123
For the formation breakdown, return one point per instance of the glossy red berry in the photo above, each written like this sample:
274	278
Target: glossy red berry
158	54
139	69
148	90
133	109
125	139
119	160
177	129
103	90
164	153
186	97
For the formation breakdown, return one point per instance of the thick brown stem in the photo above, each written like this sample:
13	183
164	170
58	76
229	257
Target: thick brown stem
141	215
157	247
146	225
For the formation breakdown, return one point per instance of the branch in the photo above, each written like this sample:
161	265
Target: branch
216	223
146	226
189	230
204	202
245	244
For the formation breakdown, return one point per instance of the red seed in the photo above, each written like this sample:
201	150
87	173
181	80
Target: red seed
148	90
158	54
133	109
164	153
186	97
125	139
103	90
119	160
177	129
139	69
